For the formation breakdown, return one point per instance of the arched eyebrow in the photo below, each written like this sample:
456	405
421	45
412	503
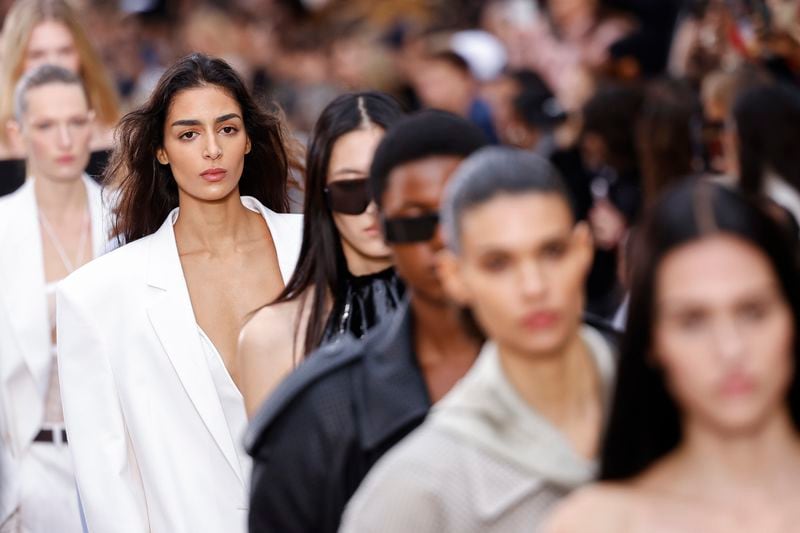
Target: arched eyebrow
194	122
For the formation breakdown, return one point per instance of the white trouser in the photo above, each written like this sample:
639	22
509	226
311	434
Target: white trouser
48	496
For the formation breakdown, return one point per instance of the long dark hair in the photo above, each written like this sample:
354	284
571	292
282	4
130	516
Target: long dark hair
767	119
147	192
645	422
665	140
322	262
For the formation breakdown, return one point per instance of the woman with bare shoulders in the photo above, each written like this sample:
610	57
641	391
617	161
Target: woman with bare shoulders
147	333
704	431
344	281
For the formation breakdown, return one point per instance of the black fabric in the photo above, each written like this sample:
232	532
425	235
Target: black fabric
326	425
12	171
366	301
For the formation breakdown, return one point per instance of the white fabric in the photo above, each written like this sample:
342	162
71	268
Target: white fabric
148	432
231	399
27	364
483	461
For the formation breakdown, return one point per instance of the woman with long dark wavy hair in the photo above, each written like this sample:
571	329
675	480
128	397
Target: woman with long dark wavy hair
344	281
147	334
704	433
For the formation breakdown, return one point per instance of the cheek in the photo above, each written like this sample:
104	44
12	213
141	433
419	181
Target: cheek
688	369
492	302
412	260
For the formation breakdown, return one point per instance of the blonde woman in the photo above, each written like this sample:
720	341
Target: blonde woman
37	32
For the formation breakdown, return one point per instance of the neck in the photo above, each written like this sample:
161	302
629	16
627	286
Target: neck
213	227
559	385
57	197
720	463
439	332
359	264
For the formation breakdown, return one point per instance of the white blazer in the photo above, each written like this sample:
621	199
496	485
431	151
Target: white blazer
25	358
150	442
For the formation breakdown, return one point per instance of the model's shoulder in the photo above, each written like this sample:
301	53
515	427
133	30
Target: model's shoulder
274	329
325	374
110	269
596	508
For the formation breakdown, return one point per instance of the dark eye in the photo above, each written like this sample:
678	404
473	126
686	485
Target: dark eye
753	311
554	250
228	130
691	321
189	135
495	263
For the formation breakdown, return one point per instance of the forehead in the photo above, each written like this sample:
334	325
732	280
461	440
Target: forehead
204	102
419	183
516	221
713	270
50	34
54	100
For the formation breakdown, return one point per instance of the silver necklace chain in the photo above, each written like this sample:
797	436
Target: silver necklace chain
59	246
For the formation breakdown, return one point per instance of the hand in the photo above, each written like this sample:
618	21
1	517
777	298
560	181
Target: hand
608	224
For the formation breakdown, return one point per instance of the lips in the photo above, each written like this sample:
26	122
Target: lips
737	385
65	159
214	174
539	320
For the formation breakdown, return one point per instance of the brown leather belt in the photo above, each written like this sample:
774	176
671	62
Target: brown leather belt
48	435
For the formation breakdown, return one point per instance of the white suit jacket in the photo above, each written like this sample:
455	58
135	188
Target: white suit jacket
150	442
25	358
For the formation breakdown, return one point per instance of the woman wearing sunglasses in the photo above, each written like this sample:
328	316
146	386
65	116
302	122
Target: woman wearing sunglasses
344	281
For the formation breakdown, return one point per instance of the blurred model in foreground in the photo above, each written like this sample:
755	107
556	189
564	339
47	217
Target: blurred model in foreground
344	281
52	225
704	429
147	334
521	429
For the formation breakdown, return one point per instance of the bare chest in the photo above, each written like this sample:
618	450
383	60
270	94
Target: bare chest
224	291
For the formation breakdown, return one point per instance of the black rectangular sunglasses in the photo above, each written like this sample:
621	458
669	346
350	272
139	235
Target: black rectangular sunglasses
350	197
402	230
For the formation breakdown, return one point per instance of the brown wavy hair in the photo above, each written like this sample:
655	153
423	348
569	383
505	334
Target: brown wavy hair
146	191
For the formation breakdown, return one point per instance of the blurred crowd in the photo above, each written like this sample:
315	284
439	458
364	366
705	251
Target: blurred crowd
577	81
517	184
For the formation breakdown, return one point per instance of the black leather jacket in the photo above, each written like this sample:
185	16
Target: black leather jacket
318	435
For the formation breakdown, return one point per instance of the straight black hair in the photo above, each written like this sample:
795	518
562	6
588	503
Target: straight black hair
322	263
767	121
645	421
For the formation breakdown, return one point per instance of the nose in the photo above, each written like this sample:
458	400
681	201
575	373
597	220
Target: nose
213	150
728	341
64	136
437	242
532	283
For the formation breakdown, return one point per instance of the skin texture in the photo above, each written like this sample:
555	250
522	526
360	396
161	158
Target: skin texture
723	335
271	342
218	238
444	349
521	270
51	43
362	241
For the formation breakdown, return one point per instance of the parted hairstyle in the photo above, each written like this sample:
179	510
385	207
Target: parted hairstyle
322	263
146	190
645	421
21	20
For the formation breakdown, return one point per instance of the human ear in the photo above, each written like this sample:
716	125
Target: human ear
248	146
14	132
161	155
448	270
584	246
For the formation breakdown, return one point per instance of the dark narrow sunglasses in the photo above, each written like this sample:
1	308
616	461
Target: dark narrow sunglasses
410	229
350	197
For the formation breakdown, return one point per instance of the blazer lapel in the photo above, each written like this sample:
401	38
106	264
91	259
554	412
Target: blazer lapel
173	320
99	214
286	231
26	370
